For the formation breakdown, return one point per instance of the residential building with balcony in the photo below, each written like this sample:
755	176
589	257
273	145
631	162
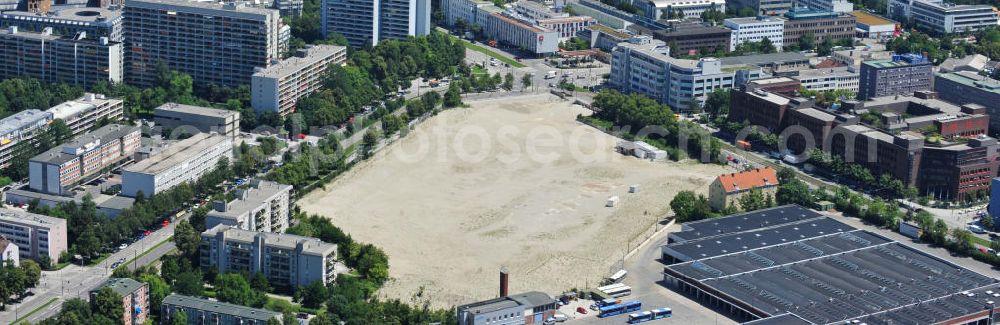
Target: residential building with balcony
69	22
20	130
370	22
84	113
56	171
279	87
286	261
78	60
135	299
263	207
35	235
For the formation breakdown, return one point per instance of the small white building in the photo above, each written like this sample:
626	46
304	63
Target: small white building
641	150
9	252
756	29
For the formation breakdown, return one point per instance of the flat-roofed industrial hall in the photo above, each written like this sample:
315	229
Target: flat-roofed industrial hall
793	265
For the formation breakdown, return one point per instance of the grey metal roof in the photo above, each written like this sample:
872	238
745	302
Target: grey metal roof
121	286
783	319
219	307
762	59
756	237
526	300
22	119
312	246
177	153
105	134
743	221
195	110
251	198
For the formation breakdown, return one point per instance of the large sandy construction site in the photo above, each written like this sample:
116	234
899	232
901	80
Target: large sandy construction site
515	182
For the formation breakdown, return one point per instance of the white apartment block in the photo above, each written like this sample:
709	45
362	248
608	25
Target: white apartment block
841	78
279	87
82	61
20	127
178	117
57	170
264	207
567	27
755	29
369	22
82	114
842	6
521	34
657	9
183	161
213	42
286	260
940	17
35	235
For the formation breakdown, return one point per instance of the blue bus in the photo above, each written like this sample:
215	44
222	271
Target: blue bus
662	313
618	309
640	317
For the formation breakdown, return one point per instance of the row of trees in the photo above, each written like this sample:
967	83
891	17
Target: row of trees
106	309
18	94
54	134
16	280
884	185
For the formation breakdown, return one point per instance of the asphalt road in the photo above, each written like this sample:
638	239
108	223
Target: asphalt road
75	281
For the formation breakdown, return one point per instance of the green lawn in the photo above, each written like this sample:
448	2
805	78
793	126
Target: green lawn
496	55
149	250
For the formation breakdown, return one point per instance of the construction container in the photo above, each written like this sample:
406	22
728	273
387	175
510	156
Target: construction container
612	201
634	188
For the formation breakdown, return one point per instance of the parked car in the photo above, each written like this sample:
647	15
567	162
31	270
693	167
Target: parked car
581	310
122	246
976	229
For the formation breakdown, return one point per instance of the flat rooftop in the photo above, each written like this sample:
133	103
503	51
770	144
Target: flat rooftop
105	134
974	80
217	7
194	110
310	245
765	59
177	153
869	19
21	120
818	114
220	307
296	63
826	72
835	277
74	107
28	218
739	222
758	237
121	286
251	198
527	300
88	16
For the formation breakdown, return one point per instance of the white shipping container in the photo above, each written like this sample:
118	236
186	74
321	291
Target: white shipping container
612	201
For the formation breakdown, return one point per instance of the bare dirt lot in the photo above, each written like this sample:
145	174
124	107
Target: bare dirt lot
515	182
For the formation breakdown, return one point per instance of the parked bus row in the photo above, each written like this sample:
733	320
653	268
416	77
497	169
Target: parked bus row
618	309
616	290
650	315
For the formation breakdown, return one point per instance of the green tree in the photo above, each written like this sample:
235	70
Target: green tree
754	200
825	48
314	294
158	289
453	97
766	46
108	303
179	317
807	42
32	272
526	81
234	288
508	81
189	283
688	206
187	239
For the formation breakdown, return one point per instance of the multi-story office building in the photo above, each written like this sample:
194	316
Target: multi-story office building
841	78
135	299
939	17
761	7
369	22
82	114
661	9
186	119
604	14
263	207
536	10
288	8
901	75
965	87
854	57
35	235
841	6
822	25
69	22
960	170
756	29
50	58
215	43
182	161
279	87
694	36
57	170
470	12
9	252
287	261
521	34
566	27
603	37
525	308
20	128
646	68
202	311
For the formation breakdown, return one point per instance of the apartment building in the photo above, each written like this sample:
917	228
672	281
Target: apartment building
693	36
183	161
82	61
35	235
263	207
661	9
644	67
756	29
215	43
840	78
83	113
59	169
821	24
470	12
69	22
939	17
20	128
369	22
966	87
180	119
135	299
288	8
566	27
903	74
279	87
519	309
285	260
203	311
518	33
761	7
